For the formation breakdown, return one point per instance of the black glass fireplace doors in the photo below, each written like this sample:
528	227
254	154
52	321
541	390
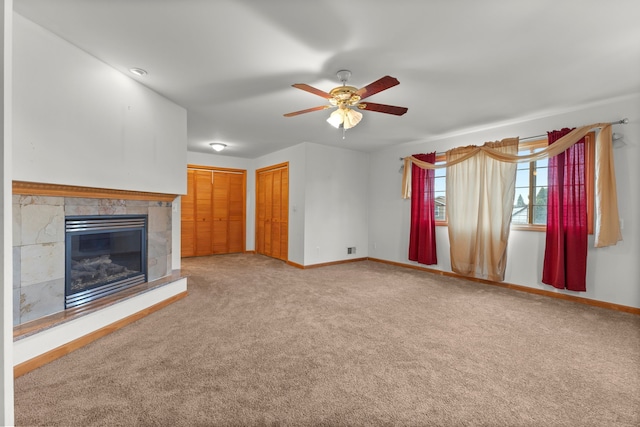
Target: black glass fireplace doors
104	255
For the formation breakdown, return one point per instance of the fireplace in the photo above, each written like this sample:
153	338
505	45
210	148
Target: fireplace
104	255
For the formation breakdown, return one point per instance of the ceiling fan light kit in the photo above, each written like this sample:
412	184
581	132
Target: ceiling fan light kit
345	118
343	97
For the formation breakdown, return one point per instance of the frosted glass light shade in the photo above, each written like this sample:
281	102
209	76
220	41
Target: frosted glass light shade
336	118
351	118
346	117
218	146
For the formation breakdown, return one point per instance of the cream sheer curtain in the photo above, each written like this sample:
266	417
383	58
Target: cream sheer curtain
607	229
480	192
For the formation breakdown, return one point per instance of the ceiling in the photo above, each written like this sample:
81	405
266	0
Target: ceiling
461	64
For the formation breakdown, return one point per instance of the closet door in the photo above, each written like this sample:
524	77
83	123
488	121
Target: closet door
188	218
284	214
237	196
220	213
261	209
213	211
272	210
268	213
204	211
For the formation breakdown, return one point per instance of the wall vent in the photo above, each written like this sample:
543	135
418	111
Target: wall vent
351	250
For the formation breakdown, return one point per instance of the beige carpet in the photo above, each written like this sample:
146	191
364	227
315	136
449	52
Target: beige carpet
258	342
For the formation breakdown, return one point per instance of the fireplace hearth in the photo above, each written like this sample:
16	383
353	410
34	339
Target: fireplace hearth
104	255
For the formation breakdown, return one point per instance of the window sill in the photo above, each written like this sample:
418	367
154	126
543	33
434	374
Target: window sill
529	227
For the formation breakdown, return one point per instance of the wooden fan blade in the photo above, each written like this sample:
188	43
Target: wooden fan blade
378	86
382	108
308	110
312	90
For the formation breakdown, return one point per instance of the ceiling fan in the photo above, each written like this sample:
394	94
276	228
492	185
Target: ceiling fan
344	97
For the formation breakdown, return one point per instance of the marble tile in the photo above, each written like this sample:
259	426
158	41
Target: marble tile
112	210
80	210
16	267
17	222
112	202
132	203
157	268
42	224
159	218
137	210
158	245
169	269
159	204
41	299
80	201
39	263
41	200
16	307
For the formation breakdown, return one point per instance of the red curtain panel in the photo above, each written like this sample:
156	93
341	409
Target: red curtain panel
565	256
422	239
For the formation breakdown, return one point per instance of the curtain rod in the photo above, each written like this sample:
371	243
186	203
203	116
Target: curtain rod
618	122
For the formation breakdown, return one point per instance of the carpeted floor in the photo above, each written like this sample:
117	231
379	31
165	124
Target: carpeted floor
258	342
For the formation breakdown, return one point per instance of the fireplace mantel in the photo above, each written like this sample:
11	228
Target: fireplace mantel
42	189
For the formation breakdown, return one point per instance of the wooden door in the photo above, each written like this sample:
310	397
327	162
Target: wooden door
261	214
236	214
188	218
204	211
213	211
220	233
272	211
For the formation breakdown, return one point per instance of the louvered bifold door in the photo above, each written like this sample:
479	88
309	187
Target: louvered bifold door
188	218
204	213
272	212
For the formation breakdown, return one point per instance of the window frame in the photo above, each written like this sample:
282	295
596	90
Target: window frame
590	146
442	157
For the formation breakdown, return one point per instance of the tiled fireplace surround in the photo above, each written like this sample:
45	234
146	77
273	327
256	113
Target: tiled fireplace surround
39	241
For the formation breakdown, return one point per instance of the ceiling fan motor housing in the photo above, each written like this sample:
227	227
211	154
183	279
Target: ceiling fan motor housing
344	96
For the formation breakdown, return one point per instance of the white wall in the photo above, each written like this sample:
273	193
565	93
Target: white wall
613	273
336	203
6	234
77	121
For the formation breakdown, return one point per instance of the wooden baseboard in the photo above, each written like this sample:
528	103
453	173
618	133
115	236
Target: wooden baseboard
557	295
296	265
325	264
67	348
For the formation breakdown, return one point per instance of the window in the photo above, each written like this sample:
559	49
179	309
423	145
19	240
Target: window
530	202
440	186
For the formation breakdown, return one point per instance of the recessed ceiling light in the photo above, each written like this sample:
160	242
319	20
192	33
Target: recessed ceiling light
138	71
218	146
